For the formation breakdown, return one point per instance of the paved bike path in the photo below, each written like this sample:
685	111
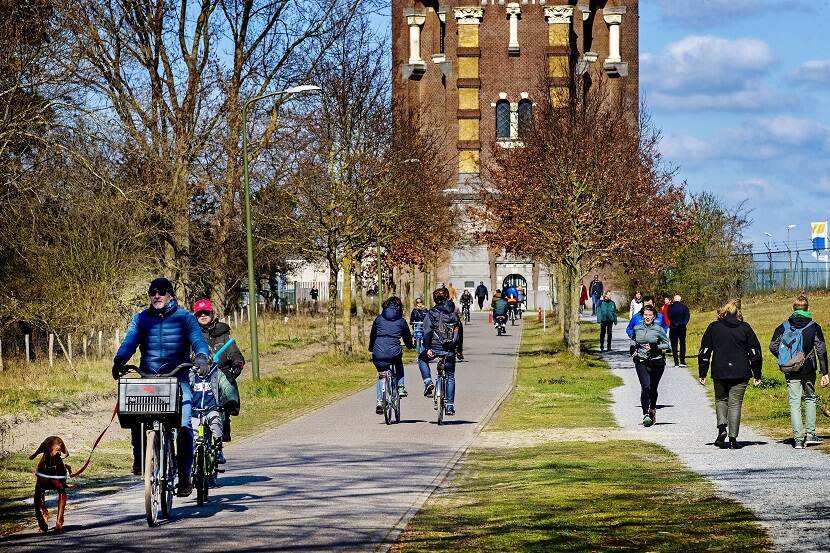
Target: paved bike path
338	479
787	489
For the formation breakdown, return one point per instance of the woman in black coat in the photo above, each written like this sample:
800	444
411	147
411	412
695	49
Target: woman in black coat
730	348
385	344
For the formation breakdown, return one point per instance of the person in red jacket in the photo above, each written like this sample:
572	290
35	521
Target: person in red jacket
583	296
665	312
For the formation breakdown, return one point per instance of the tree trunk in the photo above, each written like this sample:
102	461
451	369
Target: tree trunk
347	303
560	300
359	303
570	298
331	319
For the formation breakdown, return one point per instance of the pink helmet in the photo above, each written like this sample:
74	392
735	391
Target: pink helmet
203	305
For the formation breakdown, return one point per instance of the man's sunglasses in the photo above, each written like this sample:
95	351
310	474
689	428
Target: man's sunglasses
156	292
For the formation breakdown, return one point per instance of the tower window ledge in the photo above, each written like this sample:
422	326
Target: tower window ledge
413	71
439	58
615	68
513	50
510	143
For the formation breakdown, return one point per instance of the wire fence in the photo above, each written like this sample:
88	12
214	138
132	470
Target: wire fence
787	268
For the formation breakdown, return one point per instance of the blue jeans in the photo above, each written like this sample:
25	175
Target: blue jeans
184	440
382	366
449	370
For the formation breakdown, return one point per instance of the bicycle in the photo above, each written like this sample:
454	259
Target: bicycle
499	322
512	315
418	334
465	312
205	468
154	400
439	398
390	398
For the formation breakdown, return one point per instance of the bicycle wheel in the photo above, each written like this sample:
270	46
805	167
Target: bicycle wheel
440	385
152	482
397	404
199	476
388	407
168	468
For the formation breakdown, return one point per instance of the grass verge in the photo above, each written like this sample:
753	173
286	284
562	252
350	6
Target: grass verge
616	495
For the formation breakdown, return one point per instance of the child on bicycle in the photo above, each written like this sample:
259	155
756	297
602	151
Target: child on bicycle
211	388
385	344
441	337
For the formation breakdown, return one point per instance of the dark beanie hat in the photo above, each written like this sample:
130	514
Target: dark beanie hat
162	284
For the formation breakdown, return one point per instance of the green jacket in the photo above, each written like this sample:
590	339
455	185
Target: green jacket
607	311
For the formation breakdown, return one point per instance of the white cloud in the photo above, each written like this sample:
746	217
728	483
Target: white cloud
705	13
685	147
758	99
706	64
791	131
812	72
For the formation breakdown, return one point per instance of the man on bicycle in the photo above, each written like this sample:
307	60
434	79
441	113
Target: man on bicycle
165	334
511	294
441	331
500	309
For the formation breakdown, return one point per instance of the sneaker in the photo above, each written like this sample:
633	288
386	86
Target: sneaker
683	365
733	444
647	421
450	410
799	443
185	488
652	414
676	365
429	389
402	391
220	458
812	439
379	408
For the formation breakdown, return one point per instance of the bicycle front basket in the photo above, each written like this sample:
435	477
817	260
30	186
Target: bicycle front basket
143	398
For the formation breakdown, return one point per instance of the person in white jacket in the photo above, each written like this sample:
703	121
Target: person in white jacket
636	305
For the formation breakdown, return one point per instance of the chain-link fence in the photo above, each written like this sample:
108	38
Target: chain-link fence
787	266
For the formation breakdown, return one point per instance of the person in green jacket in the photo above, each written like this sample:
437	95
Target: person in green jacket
607	318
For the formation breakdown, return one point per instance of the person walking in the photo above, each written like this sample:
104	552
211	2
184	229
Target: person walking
731	350
607	318
481	295
636	305
664	311
595	290
451	291
678	315
799	345
583	296
314	293
649	355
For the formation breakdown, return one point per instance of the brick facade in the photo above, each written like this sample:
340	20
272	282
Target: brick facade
480	68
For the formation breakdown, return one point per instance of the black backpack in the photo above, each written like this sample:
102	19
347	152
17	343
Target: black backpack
445	329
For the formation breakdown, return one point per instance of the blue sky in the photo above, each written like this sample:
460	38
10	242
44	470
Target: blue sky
741	91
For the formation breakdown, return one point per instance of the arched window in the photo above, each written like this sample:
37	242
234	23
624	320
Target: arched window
525	118
503	119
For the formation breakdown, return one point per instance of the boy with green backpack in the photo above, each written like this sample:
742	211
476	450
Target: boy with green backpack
799	345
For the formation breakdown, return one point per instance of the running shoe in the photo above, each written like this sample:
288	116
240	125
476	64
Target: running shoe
402	391
429	389
450	410
799	443
812	439
647	421
379	408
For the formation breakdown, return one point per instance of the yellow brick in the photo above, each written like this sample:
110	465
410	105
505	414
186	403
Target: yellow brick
467	68
468	36
559	96
468	161
558	34
558	66
468	129
467	98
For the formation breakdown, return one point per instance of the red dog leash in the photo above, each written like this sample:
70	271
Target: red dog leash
88	459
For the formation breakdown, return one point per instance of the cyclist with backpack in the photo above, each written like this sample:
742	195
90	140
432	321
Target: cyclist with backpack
730	348
441	336
466	303
799	345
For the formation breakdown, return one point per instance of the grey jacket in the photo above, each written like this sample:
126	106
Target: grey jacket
650	341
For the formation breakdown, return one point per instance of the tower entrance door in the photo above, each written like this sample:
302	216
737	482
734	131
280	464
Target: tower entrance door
515	281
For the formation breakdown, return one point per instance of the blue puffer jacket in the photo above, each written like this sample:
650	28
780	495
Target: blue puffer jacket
385	339
164	337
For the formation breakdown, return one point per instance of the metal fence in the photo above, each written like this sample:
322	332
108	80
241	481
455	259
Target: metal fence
787	269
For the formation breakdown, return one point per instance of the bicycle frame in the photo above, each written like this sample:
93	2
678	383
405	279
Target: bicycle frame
205	467
440	397
390	398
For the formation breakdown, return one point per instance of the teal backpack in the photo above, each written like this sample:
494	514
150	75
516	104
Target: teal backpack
791	355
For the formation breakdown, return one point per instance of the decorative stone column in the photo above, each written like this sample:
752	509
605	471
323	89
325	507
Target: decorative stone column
614	65
468	20
514	10
416	67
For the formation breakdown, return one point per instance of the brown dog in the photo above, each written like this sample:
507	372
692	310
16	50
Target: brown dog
52	474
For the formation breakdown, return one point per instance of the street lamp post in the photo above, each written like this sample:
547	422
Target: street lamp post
790	253
252	292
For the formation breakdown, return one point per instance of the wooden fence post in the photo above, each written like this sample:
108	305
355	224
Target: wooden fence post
84	346
100	343
69	342
1	355
51	349
27	348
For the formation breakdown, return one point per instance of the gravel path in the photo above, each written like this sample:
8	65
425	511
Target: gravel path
787	489
338	479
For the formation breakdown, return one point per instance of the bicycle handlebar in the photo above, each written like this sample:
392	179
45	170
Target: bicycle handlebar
128	368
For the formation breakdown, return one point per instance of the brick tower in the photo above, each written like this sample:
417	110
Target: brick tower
477	68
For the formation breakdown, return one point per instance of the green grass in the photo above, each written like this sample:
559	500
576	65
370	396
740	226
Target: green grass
766	407
577	496
553	388
274	399
614	495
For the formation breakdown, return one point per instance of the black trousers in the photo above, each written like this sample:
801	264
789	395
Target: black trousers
649	375
678	335
605	328
480	303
